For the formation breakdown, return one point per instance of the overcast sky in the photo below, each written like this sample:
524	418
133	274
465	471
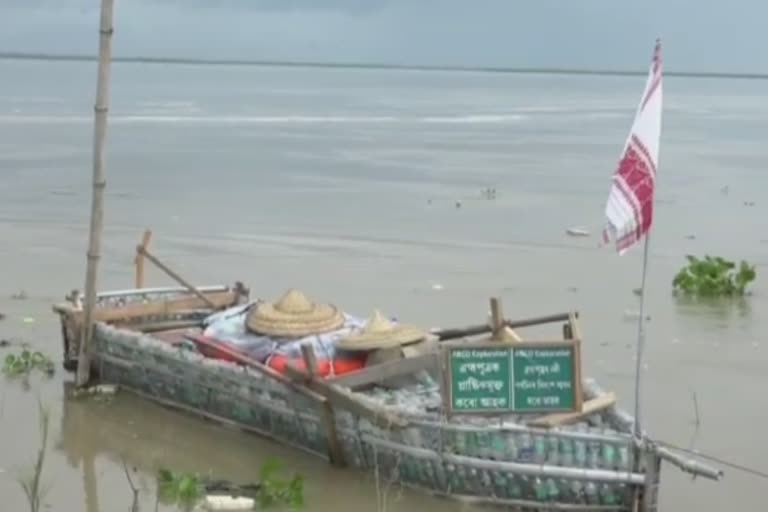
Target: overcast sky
703	35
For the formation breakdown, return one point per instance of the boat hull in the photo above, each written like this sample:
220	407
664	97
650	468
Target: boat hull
509	465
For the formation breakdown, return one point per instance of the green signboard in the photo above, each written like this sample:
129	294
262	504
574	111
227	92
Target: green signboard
498	377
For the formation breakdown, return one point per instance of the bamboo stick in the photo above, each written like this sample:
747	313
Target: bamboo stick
101	109
474	330
518	468
327	414
159	264
497	318
139	260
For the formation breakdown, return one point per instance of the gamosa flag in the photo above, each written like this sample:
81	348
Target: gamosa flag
630	203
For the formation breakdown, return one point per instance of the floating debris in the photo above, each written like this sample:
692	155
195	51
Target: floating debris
437	286
634	315
20	295
28	320
214	502
5	343
99	389
577	232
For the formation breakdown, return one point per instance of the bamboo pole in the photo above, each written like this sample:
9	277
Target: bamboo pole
162	266
474	330
139	261
101	109
327	414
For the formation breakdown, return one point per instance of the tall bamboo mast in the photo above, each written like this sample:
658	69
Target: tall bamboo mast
101	109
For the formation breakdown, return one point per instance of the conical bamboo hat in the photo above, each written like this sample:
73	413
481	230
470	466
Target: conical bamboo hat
294	316
381	333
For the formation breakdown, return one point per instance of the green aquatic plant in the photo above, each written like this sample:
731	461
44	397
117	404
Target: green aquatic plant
186	490
24	363
278	493
32	482
713	276
183	490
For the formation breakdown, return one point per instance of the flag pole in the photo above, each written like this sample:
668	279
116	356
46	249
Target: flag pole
637	427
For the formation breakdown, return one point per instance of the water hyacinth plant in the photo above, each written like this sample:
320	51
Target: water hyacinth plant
23	364
713	276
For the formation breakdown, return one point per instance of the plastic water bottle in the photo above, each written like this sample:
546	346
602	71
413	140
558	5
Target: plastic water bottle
500	484
540	489
460	443
576	489
515	489
608	495
553	451
591	492
594	454
580	453
553	491
624	458
609	455
510	450
566	452
526	448
540	450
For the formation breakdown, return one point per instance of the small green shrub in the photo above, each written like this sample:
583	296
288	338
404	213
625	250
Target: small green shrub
713	277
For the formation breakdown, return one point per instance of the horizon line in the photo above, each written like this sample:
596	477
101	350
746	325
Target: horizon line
373	66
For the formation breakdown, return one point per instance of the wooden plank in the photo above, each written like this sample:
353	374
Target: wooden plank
381	372
588	408
327	416
218	300
348	401
139	260
159	264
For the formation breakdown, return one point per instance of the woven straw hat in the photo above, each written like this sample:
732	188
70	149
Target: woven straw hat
293	316
381	333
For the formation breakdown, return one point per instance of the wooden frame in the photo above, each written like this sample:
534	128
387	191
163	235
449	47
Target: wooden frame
220	300
446	378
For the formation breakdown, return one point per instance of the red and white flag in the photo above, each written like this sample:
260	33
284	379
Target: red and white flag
630	202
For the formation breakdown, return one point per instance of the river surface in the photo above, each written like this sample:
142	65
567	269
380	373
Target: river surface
344	183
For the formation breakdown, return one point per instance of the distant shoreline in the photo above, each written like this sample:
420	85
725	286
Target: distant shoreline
374	66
